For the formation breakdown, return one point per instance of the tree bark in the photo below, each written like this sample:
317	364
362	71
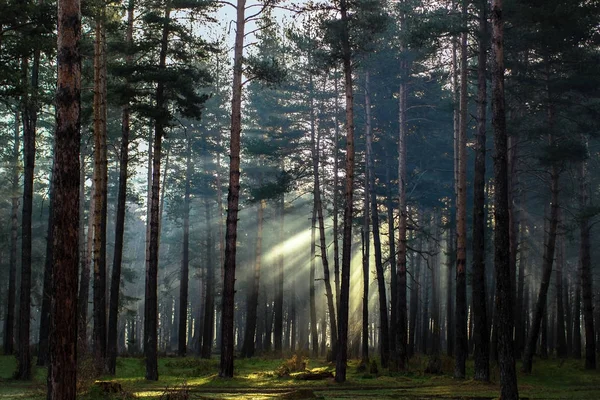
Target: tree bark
62	374
185	257
460	320
100	194
586	270
43	344
227	340
86	261
29	132
115	285
9	335
151	300
561	341
503	311
336	183
209	303
384	325
481	354
342	356
314	335
392	259
252	302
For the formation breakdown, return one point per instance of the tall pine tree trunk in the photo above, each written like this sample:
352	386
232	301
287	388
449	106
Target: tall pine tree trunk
481	338
314	336
62	374
586	270
115	285
151	298
392	260
227	339
100	194
47	289
209	303
9	335
503	310
252	302
561	341
460	320
278	303
384	325
342	356
86	262
185	258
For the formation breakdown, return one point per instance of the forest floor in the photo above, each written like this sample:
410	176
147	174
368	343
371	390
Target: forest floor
259	378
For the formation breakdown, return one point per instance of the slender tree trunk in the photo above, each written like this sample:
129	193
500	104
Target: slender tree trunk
252	302
392	259
342	356
460	320
450	262
278	303
366	232
151	300
561	341
576	353
62	374
209	303
29	132
481	335
86	262
185	258
384	325
100	195
314	336
401	321
336	183
9	335
42	357
414	296
503	312
227	340
568	314
586	271
115	285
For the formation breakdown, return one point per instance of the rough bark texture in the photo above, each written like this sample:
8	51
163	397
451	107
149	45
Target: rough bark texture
115	285
336	184
100	195
460	320
63	325
151	300
233	197
503	309
481	354
342	356
9	335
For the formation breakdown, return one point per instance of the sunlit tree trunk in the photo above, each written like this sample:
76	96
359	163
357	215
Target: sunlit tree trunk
115	285
227	342
62	374
314	336
342	356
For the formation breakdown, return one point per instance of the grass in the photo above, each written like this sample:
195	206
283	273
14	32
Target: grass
258	378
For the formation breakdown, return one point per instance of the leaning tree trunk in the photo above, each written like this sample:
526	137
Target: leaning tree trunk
62	374
185	257
233	197
151	299
481	354
503	311
100	195
460	319
115	285
342	356
9	336
586	271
